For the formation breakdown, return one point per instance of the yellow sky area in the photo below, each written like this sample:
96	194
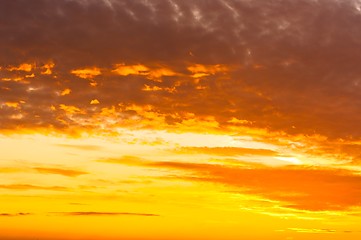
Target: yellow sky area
169	185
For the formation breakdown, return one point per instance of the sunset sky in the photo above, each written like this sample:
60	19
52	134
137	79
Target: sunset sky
180	119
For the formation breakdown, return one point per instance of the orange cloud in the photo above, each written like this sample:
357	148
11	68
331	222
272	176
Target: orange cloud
94	102
32	187
127	160
227	151
295	187
47	68
14	214
12	104
71	109
66	91
60	171
160	72
81	147
87	73
139	69
125	70
26	67
107	214
312	230
199	70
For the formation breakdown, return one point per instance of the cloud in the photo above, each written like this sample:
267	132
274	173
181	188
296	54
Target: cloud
87	72
44	170
312	230
298	187
126	160
81	147
32	187
64	172
227	151
106	214
285	67
14	214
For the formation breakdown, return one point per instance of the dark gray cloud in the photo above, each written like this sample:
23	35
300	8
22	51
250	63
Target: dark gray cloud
291	66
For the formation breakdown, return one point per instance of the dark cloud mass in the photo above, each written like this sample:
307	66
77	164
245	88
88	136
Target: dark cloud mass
282	65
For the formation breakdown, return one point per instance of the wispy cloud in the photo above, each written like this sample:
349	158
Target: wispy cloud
60	171
227	151
14	214
312	230
106	214
126	160
32	187
81	147
297	186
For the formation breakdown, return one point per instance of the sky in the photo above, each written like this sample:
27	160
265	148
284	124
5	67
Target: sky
180	119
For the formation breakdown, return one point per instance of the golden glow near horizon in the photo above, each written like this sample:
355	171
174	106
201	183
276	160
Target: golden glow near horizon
180	120
166	180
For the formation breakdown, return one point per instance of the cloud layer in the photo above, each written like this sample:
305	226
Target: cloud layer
287	66
107	214
298	187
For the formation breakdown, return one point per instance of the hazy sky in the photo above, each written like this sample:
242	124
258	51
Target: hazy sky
180	119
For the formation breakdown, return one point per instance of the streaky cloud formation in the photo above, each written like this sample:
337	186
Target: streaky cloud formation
81	147
32	187
64	172
106	214
227	151
296	186
14	214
